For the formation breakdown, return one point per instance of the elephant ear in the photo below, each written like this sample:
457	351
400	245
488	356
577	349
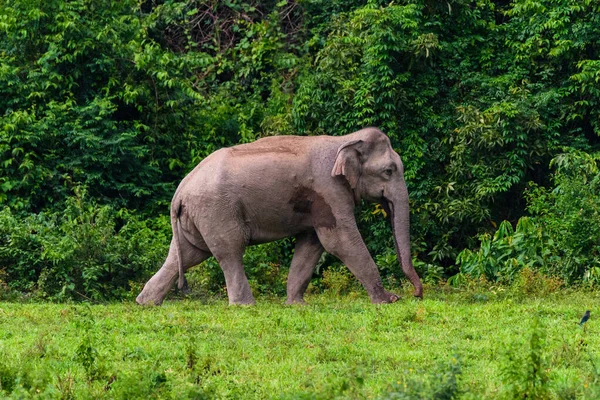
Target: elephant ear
347	162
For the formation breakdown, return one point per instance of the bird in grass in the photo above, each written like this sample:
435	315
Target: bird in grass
585	317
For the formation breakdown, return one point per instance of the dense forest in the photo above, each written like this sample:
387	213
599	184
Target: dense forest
493	105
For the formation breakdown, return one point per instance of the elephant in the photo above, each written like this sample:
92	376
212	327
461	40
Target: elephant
305	187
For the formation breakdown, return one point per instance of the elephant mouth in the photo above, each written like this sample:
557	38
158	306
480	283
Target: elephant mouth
388	207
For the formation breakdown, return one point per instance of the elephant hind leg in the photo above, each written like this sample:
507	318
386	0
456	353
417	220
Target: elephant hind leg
158	286
230	253
307	252
238	288
227	240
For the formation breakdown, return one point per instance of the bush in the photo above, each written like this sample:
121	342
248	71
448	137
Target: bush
532	283
502	256
569	215
338	280
86	252
266	267
560	239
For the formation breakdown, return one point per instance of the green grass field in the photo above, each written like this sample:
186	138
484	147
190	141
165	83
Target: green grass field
450	345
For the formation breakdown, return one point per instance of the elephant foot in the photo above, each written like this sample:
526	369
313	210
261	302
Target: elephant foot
243	303
157	288
154	292
243	298
386	298
418	292
295	301
146	300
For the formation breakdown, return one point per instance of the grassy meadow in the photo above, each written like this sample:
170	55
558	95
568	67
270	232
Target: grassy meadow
453	344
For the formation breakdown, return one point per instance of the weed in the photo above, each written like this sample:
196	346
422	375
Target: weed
86	353
338	281
191	356
40	346
525	372
533	283
64	384
441	384
8	378
109	383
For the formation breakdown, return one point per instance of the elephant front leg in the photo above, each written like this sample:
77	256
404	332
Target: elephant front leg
346	243
307	252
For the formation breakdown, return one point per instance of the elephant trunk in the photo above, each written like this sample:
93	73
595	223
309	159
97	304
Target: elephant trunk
397	204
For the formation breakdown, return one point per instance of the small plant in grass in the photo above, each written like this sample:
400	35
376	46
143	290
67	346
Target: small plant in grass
8	378
64	384
535	283
441	384
86	353
525	373
338	280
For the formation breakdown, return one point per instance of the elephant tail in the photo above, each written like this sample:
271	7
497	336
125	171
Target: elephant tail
176	209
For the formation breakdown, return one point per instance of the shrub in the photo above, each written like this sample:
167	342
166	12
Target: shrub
569	214
87	354
86	252
530	282
560	239
338	280
265	265
502	256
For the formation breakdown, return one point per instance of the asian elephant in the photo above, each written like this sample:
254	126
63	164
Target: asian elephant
282	186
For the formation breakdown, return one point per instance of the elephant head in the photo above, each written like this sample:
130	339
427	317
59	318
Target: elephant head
374	172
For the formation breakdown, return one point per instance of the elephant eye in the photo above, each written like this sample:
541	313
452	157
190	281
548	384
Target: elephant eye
388	172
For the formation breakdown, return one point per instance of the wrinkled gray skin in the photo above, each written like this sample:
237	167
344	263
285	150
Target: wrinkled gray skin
282	186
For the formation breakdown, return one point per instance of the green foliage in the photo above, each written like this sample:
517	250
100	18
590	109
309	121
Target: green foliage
439	385
503	256
86	252
567	214
86	353
266	267
356	70
74	103
338	281
559	238
535	283
525	372
125	98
